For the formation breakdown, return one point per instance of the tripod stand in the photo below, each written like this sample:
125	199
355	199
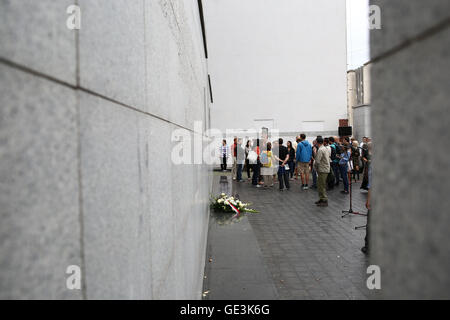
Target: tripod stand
350	211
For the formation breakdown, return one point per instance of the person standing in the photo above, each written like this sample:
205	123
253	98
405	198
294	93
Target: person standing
313	170
355	160
294	144
247	163
282	155
335	151
224	152
257	165
331	181
344	159
322	166
240	160
363	142
291	162
365	249
234	151
304	154
297	163
361	148
275	163
366	161
266	166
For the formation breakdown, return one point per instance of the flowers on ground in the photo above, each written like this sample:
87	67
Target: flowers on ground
229	204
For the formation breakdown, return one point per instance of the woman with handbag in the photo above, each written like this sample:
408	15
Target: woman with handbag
267	167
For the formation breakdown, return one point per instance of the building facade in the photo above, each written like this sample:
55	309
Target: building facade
270	65
358	99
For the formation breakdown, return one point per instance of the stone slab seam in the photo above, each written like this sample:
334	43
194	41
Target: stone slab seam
439	27
88	91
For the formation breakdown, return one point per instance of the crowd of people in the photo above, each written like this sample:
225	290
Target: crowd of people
328	162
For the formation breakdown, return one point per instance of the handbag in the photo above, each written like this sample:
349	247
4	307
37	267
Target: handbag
252	157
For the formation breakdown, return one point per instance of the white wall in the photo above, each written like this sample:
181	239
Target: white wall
271	60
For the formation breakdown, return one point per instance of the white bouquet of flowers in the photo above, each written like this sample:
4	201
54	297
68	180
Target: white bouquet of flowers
229	204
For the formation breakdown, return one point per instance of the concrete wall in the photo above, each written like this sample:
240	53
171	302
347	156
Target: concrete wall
361	122
410	118
86	176
367	84
271	60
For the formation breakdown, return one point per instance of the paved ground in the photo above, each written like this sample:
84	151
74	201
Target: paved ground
305	252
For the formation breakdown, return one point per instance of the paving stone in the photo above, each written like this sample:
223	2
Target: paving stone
310	252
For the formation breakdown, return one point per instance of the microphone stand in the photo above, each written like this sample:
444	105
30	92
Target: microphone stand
350	211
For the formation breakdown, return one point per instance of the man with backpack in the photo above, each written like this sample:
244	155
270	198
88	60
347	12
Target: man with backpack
335	151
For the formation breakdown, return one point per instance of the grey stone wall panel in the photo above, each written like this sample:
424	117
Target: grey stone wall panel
411	169
174	60
117	236
112	50
39	202
34	34
404	19
144	218
160	197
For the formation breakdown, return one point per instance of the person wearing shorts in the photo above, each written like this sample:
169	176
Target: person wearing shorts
303	157
304	171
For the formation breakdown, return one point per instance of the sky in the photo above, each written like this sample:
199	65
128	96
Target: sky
358	51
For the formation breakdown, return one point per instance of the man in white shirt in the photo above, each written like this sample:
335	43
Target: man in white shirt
363	142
